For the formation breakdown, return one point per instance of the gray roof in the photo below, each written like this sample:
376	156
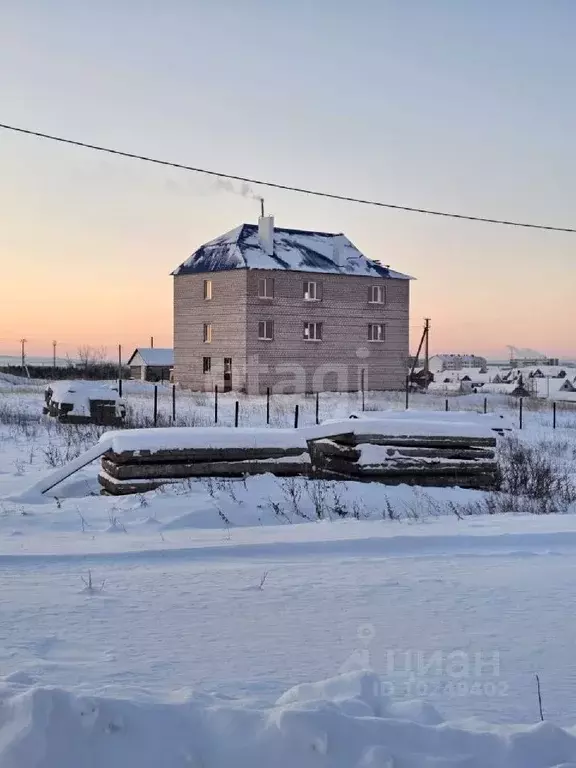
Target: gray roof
294	249
158	356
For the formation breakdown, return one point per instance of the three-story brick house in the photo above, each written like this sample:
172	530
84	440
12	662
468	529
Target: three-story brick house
288	309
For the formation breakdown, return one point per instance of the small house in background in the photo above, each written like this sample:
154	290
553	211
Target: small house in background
151	363
457	362
544	371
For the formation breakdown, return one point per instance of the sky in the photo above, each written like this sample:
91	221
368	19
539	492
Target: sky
454	105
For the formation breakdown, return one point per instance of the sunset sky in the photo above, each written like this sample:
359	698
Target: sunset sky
456	105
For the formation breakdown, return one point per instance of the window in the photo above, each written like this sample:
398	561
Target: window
312	290
313	331
206	364
207	290
207	333
266	330
376	294
376	332
266	288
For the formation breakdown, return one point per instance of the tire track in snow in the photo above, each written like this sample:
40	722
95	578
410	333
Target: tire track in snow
438	546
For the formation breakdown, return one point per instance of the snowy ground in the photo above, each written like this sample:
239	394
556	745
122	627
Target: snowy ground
206	587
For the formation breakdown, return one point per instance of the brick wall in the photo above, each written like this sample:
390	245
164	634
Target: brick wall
226	311
289	362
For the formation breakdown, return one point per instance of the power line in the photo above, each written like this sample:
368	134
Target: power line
286	187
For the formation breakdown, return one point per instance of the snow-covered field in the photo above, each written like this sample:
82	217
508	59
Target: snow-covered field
211	600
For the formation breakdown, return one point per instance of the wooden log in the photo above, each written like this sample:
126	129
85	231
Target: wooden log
421	441
191	455
421	471
115	488
204	469
388	469
326	447
484	482
439	452
425	465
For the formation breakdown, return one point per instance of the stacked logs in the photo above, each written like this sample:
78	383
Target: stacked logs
136	471
427	460
450	450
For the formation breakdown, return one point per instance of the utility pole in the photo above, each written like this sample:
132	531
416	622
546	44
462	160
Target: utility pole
424	342
426	345
151	342
23	348
54	344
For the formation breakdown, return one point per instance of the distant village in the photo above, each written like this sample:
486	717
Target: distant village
529	377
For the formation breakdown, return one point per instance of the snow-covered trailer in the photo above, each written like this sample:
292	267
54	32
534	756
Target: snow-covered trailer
84	402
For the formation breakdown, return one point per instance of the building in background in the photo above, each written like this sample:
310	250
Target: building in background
151	363
291	310
441	363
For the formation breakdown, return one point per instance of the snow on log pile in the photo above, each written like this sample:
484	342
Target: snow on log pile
422	449
140	460
419	448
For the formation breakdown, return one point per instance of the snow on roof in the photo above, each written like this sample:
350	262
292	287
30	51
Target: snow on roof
161	356
294	249
78	394
88	389
545	370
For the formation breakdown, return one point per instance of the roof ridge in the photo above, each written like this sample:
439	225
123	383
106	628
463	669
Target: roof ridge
298	231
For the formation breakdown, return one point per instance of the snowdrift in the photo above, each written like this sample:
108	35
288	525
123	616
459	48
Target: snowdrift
345	722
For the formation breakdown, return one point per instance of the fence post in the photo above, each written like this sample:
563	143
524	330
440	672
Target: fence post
362	377
215	403
554	415
407	392
155	404
447	407
236	413
119	369
521	412
485	405
317	408
267	405
174	403
296	414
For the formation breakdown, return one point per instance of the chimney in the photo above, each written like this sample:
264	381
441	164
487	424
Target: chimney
266	234
338	250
